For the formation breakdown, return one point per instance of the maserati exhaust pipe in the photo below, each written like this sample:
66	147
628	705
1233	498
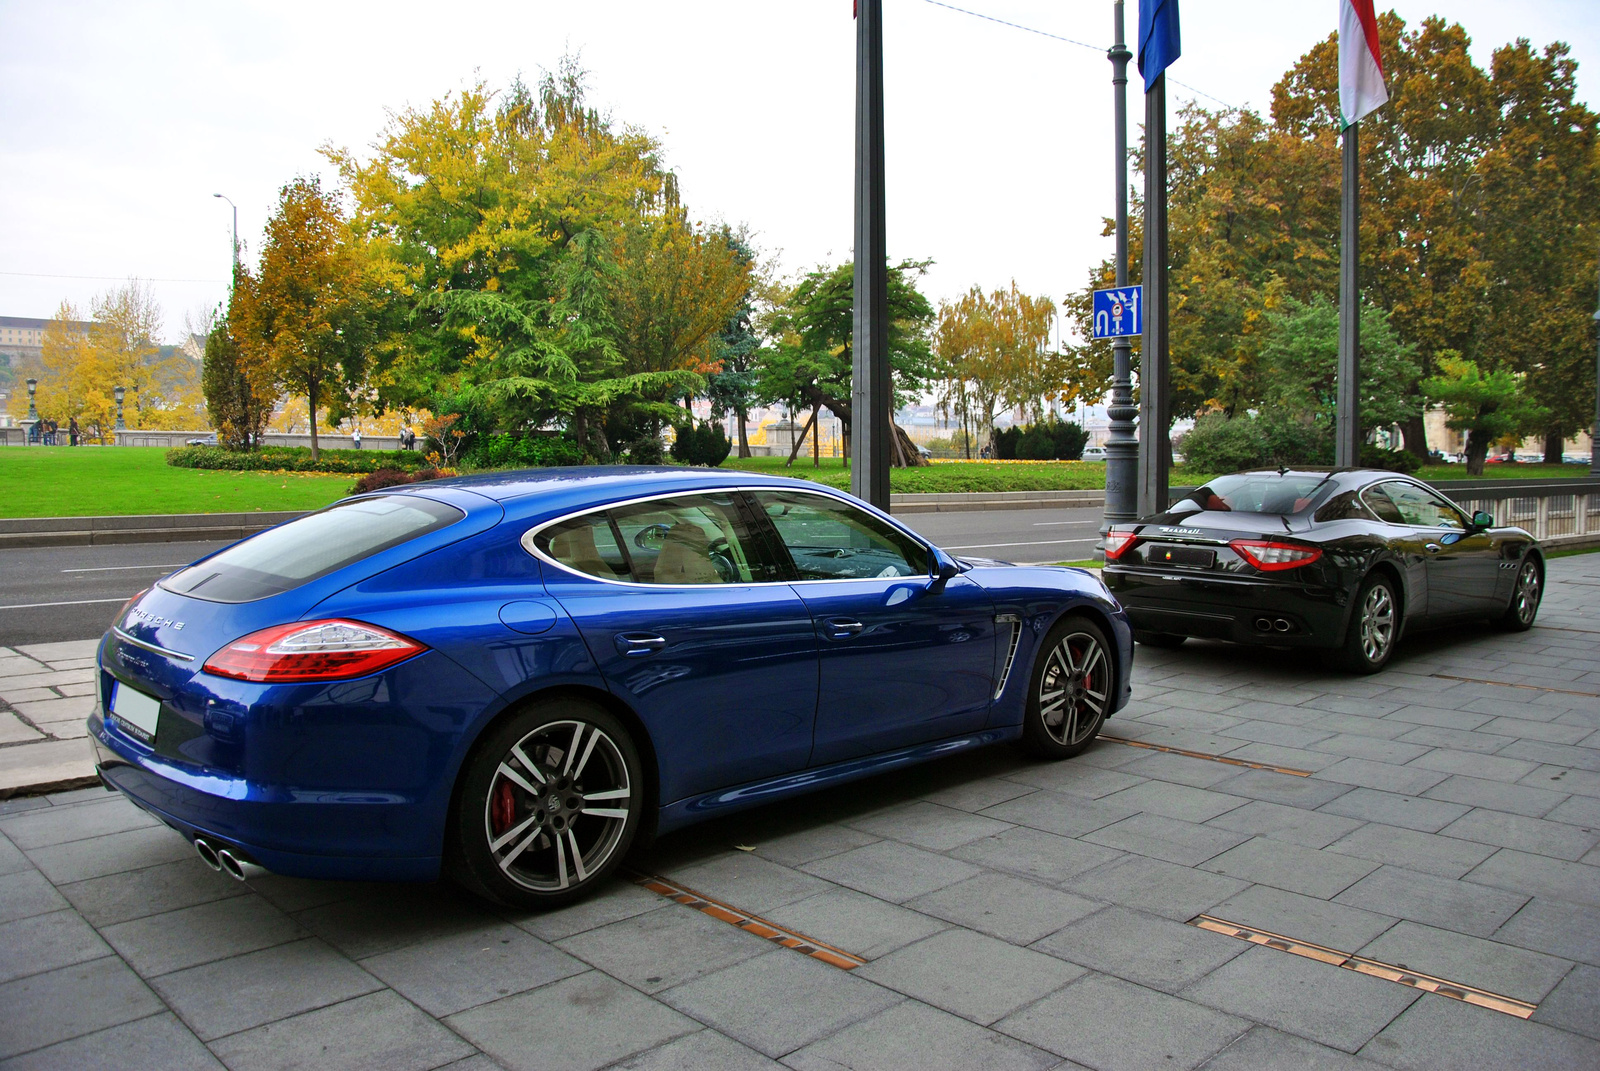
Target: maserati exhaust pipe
1282	625
1263	624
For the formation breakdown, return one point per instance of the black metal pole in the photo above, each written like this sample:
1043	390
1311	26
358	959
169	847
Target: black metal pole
871	389
1122	449
1155	379
1347	425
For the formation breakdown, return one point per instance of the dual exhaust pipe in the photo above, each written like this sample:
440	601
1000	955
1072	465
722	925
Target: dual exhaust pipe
1274	624
223	860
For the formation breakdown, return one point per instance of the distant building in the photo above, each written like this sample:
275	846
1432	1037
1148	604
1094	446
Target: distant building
22	337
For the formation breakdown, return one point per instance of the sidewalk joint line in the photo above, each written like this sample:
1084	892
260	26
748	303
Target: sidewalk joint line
1503	684
1483	998
749	923
1209	758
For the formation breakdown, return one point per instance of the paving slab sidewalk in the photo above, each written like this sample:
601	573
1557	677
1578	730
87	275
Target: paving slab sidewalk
46	694
1012	914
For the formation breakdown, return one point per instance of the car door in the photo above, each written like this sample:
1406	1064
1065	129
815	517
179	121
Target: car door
904	657
1463	567
692	625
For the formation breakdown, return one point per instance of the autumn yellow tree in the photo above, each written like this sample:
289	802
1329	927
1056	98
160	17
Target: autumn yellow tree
310	315
993	352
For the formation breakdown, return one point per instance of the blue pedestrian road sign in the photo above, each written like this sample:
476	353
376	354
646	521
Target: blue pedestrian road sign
1117	312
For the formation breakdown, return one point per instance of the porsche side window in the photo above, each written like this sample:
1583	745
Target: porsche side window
1423	509
588	545
698	540
832	540
1379	502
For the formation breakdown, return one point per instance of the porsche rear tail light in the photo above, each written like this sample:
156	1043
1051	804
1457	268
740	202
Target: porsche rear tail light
312	651
1273	557
1118	539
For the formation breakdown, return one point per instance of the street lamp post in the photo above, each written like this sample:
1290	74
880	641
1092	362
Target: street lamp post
235	229
118	393
1122	457
33	412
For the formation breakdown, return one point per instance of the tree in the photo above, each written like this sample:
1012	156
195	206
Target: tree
310	314
993	351
239	394
1487	406
1300	358
736	352
809	366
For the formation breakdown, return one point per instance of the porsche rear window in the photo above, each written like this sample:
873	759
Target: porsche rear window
292	554
1258	492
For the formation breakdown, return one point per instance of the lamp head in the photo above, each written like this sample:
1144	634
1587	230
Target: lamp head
117	393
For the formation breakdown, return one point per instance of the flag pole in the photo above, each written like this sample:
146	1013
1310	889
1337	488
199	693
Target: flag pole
871	388
1347	429
1122	450
1155	377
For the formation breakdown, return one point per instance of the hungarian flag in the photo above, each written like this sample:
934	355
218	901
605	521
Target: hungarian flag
1361	88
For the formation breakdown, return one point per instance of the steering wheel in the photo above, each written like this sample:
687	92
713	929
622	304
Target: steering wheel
722	560
650	536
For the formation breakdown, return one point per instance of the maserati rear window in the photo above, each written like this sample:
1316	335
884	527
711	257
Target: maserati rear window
1257	492
292	554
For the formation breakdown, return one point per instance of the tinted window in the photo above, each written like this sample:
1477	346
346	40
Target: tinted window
832	540
1256	492
1342	508
1423	508
292	554
1378	500
703	539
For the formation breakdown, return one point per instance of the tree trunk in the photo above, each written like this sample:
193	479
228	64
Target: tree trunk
311	407
1416	436
744	439
1553	442
794	450
906	453
1477	450
816	440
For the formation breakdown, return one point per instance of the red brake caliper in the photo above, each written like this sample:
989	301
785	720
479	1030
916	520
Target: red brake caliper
505	807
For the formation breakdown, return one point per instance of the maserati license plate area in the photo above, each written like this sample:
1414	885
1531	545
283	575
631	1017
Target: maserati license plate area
1195	557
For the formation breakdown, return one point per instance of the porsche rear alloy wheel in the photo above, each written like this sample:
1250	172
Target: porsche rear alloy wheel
550	805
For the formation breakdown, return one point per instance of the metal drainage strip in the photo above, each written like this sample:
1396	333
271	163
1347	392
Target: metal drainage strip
1514	684
1361	964
750	923
1209	758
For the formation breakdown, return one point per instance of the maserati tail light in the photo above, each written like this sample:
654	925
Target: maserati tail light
1272	557
1118	539
312	651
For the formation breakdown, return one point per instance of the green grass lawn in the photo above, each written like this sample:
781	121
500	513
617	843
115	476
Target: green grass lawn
109	481
94	481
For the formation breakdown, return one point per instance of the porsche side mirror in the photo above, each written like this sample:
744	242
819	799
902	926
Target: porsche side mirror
941	566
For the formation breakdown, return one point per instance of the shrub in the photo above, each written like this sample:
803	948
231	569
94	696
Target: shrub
702	445
1220	443
293	459
524	451
372	481
1376	457
645	450
1052	440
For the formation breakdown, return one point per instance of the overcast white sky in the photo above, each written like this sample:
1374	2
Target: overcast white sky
118	121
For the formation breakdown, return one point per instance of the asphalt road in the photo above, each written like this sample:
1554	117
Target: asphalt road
48	594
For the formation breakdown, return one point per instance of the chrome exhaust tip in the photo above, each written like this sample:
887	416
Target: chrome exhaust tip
1282	625
238	869
1263	624
208	854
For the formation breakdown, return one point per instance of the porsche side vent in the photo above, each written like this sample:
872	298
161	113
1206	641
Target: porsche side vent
1015	621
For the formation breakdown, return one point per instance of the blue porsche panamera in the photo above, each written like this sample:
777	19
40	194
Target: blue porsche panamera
509	678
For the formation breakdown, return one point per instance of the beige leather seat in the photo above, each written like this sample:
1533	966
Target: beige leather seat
685	557
575	549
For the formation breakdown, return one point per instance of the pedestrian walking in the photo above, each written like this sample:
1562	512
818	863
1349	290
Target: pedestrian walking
408	438
355	437
72	430
50	429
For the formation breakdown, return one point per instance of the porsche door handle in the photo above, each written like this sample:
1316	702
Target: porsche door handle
638	644
841	628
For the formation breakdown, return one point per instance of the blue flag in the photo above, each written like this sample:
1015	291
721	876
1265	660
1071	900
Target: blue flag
1158	38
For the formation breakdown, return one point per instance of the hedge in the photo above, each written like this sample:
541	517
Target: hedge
294	459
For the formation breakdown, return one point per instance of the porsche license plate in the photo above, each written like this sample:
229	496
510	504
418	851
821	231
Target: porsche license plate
136	710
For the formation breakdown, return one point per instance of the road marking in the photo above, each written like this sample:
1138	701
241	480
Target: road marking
1203	755
1480	680
74	602
1051	524
114	568
1035	543
1363	965
750	923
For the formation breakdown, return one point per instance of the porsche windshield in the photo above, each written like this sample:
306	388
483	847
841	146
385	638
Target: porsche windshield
1256	492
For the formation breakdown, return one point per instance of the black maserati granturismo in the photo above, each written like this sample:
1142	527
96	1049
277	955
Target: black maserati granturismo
1342	561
